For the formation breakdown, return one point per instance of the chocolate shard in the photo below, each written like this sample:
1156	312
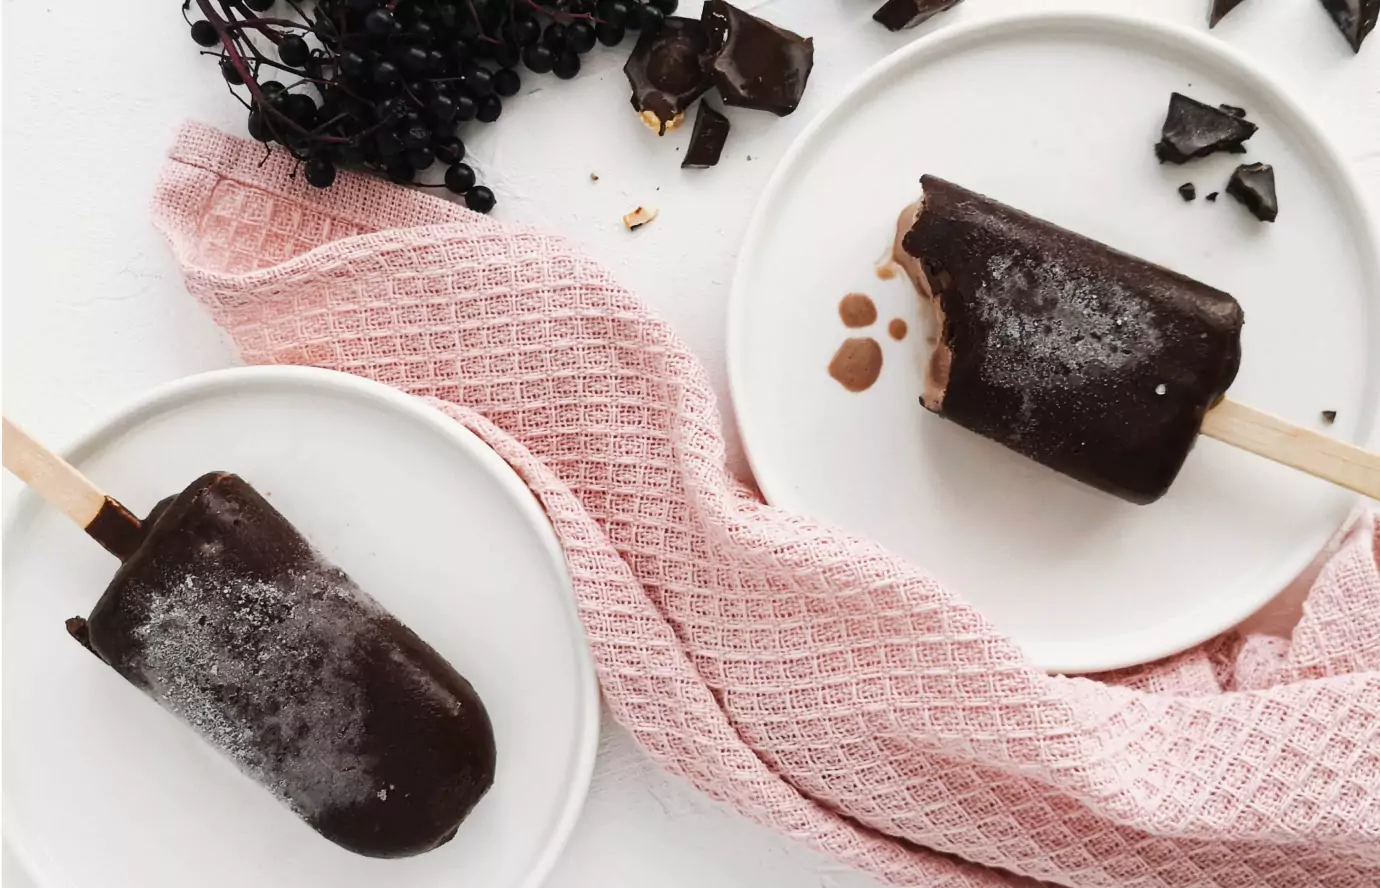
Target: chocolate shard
1220	8
1354	18
1192	129
1212	198
707	139
1329	416
897	15
1187	191
756	64
668	71
1254	185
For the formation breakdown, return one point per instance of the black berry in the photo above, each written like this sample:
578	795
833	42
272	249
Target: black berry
449	151
465	108
652	19
421	158
667	7
579	37
227	70
613	12
416	137
480	199
259	5
442	108
525	32
459	178
293	51
490	107
610	35
320	171
386	72
507	82
479	81
258	127
554	37
204	33
379	22
567	65
538	59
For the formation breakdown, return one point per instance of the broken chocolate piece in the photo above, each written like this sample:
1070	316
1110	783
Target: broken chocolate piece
1254	185
1192	129
1187	191
668	71
897	15
1329	416
755	63
707	139
1211	198
1354	18
1220	8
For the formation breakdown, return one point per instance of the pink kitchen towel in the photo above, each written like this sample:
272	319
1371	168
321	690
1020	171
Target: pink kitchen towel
806	677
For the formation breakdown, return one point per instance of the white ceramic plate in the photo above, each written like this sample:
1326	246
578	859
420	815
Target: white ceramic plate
103	788
1056	115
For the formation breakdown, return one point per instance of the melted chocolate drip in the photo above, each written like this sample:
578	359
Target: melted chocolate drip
897	15
707	139
1095	363
669	69
755	63
229	619
1254	185
1192	129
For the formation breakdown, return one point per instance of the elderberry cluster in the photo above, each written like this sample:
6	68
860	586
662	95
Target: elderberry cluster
389	85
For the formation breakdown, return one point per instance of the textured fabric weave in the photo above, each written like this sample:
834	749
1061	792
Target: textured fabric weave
803	676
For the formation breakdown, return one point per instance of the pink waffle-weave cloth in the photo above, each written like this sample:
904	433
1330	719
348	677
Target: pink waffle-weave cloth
805	677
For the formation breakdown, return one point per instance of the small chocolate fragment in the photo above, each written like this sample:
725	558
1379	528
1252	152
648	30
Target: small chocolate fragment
897	15
1354	18
1234	110
755	63
1220	8
1187	191
1211	198
1329	416
1254	185
707	139
668	71
638	217
1192	129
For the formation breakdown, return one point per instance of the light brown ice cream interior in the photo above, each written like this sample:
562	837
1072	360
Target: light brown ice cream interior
932	321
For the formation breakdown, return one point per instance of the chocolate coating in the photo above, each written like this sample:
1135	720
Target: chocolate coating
897	15
1253	184
1193	129
756	64
669	69
1088	360
707	139
1354	18
229	619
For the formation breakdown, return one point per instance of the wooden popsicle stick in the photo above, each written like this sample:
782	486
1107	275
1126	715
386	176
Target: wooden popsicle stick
62	486
1317	454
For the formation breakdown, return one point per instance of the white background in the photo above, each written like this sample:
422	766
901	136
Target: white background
95	312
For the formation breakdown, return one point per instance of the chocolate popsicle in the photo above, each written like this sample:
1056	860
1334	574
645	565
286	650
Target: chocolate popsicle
1093	362
228	618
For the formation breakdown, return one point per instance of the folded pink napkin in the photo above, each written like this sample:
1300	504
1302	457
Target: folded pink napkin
808	678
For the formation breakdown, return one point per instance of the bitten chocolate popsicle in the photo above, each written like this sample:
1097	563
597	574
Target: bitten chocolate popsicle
229	619
1097	364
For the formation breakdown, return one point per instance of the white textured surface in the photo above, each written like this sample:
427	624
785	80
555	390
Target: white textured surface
96	313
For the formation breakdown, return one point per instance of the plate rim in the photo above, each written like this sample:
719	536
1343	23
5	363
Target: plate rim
939	43
169	394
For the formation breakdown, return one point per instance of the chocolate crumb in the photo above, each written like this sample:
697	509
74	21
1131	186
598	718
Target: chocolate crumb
1187	191
594	177
707	138
1329	416
1211	198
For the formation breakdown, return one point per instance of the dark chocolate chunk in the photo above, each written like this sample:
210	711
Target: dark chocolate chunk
1329	416
897	15
1354	18
669	70
1211	198
755	63
707	139
1192	129
1220	8
1254	185
1187	191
